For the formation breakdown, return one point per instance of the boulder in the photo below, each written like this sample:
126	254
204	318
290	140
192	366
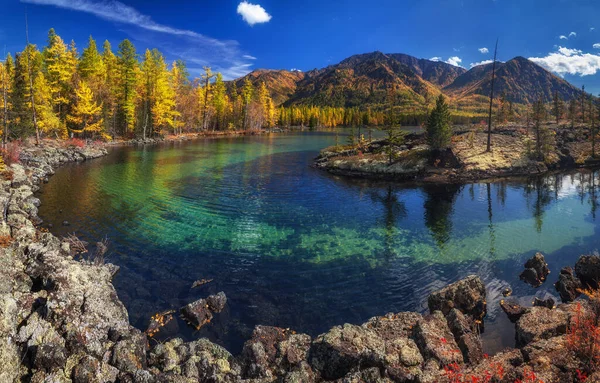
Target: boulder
435	340
587	270
540	323
200	312
548	302
536	270
568	285
129	354
273	351
467	295
337	352
513	310
466	334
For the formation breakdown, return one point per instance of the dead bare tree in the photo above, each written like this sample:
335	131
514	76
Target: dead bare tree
489	132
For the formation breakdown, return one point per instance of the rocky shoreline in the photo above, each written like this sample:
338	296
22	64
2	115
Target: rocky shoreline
62	321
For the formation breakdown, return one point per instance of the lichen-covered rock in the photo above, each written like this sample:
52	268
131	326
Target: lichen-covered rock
91	370
504	364
513	310
466	335
335	353
371	375
129	353
272	351
467	295
587	270
217	302
568	285
540	323
536	270
547	302
435	340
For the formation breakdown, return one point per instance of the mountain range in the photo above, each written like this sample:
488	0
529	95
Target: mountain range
362	80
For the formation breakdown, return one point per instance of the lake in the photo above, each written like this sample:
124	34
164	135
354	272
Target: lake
295	247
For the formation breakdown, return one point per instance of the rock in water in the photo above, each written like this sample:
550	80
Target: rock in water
200	312
466	295
536	270
548	302
568	285
513	310
587	270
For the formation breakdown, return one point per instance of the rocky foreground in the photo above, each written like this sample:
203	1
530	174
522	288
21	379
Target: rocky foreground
62	321
465	160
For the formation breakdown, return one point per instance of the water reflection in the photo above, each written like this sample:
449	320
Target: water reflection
294	247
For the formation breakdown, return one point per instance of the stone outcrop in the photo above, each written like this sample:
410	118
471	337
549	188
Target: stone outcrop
466	295
568	285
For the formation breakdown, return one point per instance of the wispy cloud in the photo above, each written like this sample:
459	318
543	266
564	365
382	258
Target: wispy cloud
563	37
596	46
569	61
592	29
253	13
193	47
248	57
483	50
436	58
572	34
484	62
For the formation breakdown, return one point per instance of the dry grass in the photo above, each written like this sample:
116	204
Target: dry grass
507	152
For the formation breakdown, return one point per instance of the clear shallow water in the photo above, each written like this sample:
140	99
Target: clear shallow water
294	247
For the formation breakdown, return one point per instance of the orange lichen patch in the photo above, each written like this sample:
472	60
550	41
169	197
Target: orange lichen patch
159	320
5	241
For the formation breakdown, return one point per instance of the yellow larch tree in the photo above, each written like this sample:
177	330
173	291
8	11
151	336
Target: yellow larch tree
86	114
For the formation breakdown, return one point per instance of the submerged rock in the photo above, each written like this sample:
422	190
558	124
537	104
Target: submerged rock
467	295
548	302
536	270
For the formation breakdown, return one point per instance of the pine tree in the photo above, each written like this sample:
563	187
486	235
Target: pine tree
110	89
92	69
539	114
219	100
557	106
86	114
127	96
247	94
438	128
572	112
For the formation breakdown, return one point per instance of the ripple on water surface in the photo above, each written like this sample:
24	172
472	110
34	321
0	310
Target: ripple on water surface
294	247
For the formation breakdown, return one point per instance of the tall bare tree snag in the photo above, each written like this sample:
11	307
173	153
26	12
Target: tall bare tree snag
35	125
5	98
489	132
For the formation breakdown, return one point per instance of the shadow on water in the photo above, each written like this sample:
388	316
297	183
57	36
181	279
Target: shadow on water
294	247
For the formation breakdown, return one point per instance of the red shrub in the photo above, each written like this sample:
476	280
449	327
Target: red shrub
76	142
11	152
583	337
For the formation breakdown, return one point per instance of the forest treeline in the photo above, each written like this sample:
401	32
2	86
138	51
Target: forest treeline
104	94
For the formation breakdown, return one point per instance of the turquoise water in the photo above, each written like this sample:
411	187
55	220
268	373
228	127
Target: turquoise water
294	247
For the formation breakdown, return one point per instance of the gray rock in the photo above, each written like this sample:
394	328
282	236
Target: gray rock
467	295
540	323
568	286
536	270
587	270
435	340
335	353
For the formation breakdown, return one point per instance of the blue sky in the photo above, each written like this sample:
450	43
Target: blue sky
235	38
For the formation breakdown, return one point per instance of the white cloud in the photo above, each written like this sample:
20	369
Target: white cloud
483	50
563	37
596	46
454	60
484	62
295	70
568	51
248	57
436	58
592	29
572	34
253	13
569	61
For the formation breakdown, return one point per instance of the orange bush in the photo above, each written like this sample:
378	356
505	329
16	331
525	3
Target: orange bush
583	337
